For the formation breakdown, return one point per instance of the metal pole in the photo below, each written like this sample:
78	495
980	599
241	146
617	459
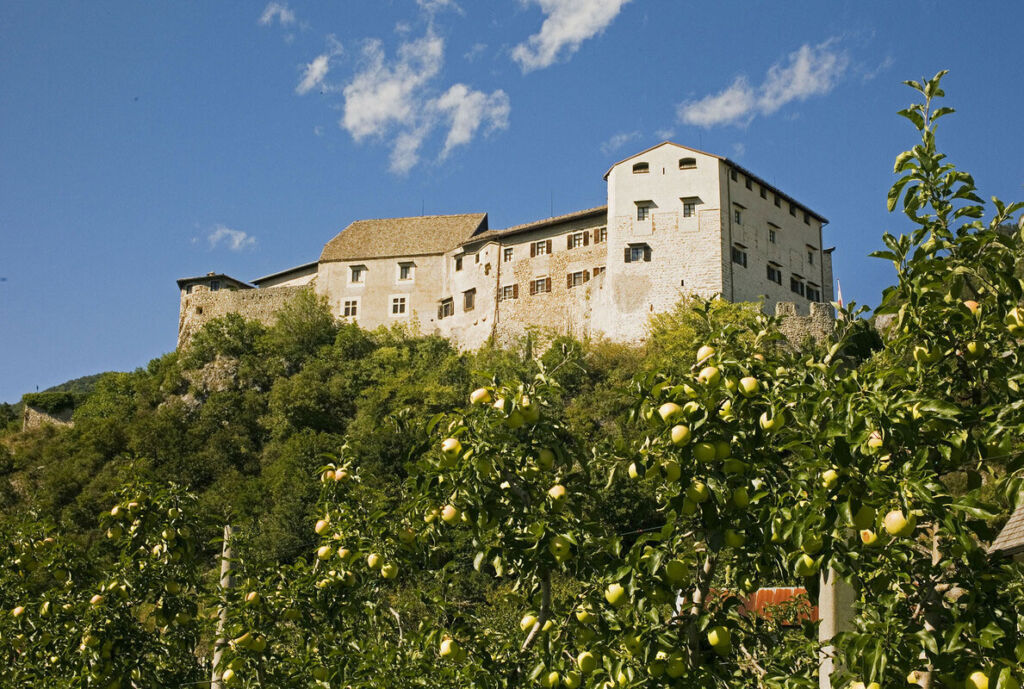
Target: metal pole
225	584
835	614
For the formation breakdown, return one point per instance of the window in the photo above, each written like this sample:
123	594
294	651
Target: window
509	292
772	238
636	253
577	279
199	310
737	215
774	274
214	285
750	183
807	219
764	192
640	168
577	239
188	290
689	207
732	175
642	212
476	257
687	163
398	306
598	270
739	255
540	248
458	262
813	293
792	209
357	275
600	235
350	308
539	285
810	257
796	285
469	299
506	254
446	308
778	203
405	271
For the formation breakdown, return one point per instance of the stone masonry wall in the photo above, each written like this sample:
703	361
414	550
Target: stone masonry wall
818	324
202	305
34	418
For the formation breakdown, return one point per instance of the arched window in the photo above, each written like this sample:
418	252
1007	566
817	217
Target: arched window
687	163
640	168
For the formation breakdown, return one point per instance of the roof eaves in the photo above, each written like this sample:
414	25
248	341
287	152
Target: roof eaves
774	189
279	273
199	278
536	225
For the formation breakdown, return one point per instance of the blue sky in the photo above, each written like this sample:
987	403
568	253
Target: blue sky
143	142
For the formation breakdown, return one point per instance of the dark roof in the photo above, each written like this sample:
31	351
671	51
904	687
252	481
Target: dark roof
1010	540
282	273
418	236
183	282
538	224
730	163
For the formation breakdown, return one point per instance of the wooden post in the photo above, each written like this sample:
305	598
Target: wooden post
225	584
835	613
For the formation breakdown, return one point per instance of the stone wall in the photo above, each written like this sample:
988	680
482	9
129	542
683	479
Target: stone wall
818	324
202	305
34	418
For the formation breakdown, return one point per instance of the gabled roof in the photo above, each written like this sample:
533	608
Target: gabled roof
183	282
281	273
538	224
1010	540
732	164
417	236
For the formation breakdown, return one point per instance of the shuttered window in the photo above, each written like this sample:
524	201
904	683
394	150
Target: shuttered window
636	253
540	248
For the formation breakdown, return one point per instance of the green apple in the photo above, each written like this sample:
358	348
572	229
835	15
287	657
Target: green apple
550	679
680	435
529	410
480	396
676	667
228	676
572	680
450	514
734	467
720	639
698	492
691	409
771	423
449	648
749	386
874	440
585	616
731	384
587	662
734	538
324	552
515	420
710	376
557	492
252	597
722	449
96	600
973	306
633	644
704	353
615	595
560	548
633	471
868	537
451	448
546	459
672	470
669	411
806	566
830	478
528	622
688	508
18	611
926	356
676	571
373	561
704	452
321	526
975	350
389	571
899	525
739	497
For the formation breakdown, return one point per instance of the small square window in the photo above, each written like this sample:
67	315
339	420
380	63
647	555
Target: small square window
810	258
774	274
540	285
807	219
771	236
636	253
458	263
813	293
358	274
507	254
509	292
642	212
792	209
778	202
540	248
350	308
575	240
796	285
398	306
469	300
446	308
405	271
577	279
598	270
214	285
739	255
689	208
737	215
732	175
600	235
764	192
750	183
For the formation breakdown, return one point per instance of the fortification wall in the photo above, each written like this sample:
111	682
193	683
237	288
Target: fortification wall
34	418
202	305
818	324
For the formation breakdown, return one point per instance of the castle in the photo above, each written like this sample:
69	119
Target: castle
677	221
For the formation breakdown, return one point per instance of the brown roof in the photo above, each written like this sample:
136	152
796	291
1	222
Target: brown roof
183	282
1010	540
538	224
281	273
385	237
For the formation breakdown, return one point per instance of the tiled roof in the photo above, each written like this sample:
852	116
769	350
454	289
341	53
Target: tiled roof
538	224
310	267
418	236
1010	540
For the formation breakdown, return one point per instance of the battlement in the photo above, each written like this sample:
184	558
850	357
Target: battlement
818	324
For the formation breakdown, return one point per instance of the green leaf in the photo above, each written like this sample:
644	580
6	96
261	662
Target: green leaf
988	636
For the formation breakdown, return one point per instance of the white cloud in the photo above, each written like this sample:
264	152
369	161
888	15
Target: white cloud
467	109
476	51
314	74
278	10
568	23
809	71
396	99
433	6
235	240
617	141
665	134
739	149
